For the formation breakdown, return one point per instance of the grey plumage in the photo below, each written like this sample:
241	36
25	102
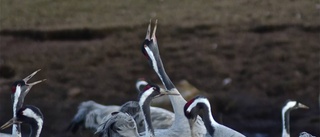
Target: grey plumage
91	114
305	134
122	124
5	135
118	124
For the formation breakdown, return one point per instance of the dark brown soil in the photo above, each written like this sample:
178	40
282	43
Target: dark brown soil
268	64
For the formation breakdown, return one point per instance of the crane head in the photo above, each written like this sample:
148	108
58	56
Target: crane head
150	46
21	88
28	114
291	105
195	106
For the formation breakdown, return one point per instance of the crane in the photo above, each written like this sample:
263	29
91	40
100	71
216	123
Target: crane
285	115
179	127
91	114
30	115
200	105
19	90
120	124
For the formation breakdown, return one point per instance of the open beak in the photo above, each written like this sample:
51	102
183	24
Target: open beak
148	31
37	82
30	76
9	123
33	83
153	37
163	92
302	106
154	31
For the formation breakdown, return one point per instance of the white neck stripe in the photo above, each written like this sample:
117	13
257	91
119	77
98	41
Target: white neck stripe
289	105
199	100
142	99
29	113
145	95
16	94
141	82
154	61
207	103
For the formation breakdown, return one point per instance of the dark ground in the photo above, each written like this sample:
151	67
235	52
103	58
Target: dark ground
268	64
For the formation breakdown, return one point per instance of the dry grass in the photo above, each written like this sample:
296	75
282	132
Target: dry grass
60	14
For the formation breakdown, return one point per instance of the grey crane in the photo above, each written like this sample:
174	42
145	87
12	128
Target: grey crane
179	127
121	124
289	106
305	134
19	90
30	115
91	114
200	105
118	124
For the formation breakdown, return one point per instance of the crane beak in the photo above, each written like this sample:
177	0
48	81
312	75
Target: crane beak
37	82
163	92
148	31
154	32
300	105
30	76
29	85
9	123
153	37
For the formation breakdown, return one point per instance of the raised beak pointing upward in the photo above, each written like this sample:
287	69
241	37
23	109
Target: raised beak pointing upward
148	37
30	76
33	83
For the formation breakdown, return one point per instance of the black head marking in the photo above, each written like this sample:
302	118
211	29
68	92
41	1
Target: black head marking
195	110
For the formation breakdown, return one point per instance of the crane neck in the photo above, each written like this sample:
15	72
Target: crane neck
166	81
36	128
177	101
159	69
145	107
208	120
285	123
16	128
